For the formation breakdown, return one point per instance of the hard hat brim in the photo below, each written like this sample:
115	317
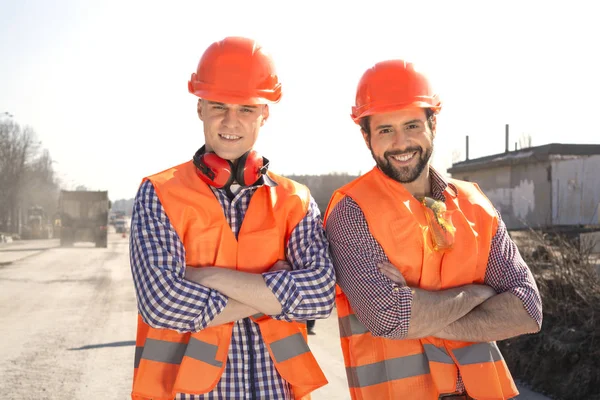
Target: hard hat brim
357	114
254	97
237	98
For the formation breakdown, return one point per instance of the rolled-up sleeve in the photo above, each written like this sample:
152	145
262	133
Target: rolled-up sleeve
508	272
381	305
308	291
157	256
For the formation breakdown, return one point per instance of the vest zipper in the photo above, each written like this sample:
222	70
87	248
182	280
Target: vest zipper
248	326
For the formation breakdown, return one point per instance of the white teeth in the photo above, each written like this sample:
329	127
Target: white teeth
404	157
229	137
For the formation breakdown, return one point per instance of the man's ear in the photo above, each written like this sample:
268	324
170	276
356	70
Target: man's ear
367	138
199	108
265	114
433	125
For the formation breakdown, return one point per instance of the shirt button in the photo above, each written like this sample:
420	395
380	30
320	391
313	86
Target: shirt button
395	289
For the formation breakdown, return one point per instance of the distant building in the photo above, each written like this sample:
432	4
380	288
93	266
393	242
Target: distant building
554	185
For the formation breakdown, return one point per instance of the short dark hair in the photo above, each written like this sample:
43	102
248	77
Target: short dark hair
365	122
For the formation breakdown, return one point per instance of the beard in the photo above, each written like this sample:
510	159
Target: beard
404	174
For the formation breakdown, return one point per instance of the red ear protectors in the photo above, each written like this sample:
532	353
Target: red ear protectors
218	172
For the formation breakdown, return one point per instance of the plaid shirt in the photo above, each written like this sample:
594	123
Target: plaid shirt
166	300
356	253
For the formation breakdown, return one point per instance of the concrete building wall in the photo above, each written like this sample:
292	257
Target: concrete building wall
539	188
531	195
520	192
575	190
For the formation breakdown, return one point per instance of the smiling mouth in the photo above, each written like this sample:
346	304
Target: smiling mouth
229	137
404	157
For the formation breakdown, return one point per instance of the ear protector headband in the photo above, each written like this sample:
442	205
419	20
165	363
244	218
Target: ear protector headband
218	172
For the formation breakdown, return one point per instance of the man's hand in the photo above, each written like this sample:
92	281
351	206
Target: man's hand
247	288
235	310
391	272
281	265
432	311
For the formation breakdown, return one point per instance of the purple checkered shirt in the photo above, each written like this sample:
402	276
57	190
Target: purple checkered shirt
166	300
356	253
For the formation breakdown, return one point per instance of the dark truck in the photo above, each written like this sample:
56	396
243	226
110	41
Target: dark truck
84	217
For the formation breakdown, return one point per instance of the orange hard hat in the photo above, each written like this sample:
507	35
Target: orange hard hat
393	85
236	70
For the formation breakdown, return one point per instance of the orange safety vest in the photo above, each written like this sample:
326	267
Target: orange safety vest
379	368
168	362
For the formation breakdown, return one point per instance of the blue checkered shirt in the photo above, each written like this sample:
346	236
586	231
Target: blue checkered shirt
167	300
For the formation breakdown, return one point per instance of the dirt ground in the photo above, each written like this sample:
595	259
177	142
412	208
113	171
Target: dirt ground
67	323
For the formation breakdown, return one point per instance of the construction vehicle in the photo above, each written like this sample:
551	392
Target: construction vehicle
121	226
84	217
116	216
37	225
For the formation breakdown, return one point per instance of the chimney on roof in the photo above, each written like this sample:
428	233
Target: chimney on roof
506	148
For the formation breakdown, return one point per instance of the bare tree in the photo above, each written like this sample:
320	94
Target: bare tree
323	186
40	186
16	148
525	141
26	175
457	156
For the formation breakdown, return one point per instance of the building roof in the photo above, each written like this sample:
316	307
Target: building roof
526	156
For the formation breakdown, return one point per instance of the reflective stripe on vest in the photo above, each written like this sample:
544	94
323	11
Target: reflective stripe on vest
291	353
387	370
138	356
167	362
172	353
437	354
350	325
478	353
424	368
289	347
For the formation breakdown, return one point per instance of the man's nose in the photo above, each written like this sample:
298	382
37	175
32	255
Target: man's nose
400	140
230	118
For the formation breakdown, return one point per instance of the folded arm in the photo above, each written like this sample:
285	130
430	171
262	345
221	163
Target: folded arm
516	310
233	311
157	257
246	288
301	288
500	317
433	311
307	290
385	304
381	305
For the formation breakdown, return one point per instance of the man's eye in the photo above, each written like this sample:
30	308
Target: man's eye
247	110
386	130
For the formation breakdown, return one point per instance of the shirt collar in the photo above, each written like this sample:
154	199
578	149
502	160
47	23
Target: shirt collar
439	184
264	180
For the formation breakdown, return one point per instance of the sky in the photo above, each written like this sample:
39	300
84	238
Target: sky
104	83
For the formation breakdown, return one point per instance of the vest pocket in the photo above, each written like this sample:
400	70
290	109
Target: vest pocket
484	371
